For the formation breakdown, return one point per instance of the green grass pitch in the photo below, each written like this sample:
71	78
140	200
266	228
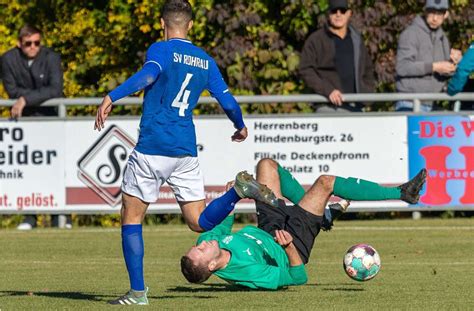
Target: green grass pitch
426	265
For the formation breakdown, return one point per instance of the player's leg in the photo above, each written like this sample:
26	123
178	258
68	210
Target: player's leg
292	190
362	190
316	198
140	186
279	180
132	214
187	184
359	190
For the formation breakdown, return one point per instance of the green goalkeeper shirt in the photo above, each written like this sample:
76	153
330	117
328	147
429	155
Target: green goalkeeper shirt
257	261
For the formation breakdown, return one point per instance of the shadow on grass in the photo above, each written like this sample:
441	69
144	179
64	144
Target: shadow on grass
350	284
65	295
214	288
81	296
344	287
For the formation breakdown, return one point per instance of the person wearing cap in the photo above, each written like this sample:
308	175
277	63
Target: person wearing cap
334	61
425	60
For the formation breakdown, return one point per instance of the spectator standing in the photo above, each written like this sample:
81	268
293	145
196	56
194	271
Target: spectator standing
460	82
463	70
424	57
335	61
32	74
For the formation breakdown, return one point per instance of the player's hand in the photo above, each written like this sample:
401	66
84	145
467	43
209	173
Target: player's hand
102	113
240	135
336	98
17	108
455	56
229	185
283	238
444	67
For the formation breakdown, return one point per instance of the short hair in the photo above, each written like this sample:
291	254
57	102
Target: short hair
194	273
27	31
177	13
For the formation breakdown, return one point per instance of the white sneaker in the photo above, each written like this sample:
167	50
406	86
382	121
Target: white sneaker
68	226
24	226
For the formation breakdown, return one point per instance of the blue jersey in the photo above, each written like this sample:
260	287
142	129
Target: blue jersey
464	69
174	75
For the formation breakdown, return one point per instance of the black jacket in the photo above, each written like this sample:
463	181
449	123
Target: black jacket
318	69
38	83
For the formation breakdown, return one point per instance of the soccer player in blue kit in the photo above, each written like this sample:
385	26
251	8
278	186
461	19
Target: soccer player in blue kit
174	75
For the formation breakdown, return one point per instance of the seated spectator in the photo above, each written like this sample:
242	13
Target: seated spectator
329	65
32	74
425	60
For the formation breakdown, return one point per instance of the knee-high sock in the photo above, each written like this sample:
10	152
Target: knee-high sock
362	190
133	252
218	210
289	186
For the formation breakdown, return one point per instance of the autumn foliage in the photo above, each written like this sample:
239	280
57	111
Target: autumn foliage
256	43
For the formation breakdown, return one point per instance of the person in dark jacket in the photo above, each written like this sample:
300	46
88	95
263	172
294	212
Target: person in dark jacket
334	61
32	74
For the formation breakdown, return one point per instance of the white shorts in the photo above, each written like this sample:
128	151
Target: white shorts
145	174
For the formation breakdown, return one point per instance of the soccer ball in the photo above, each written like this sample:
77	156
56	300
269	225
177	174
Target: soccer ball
361	262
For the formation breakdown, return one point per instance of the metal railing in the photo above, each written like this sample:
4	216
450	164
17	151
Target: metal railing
417	98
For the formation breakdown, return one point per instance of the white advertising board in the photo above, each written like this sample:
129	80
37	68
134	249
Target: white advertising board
32	166
85	169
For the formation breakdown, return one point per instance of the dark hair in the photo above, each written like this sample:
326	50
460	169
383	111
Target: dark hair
192	272
177	12
27	31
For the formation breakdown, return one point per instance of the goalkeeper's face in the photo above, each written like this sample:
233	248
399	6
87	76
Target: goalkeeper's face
204	253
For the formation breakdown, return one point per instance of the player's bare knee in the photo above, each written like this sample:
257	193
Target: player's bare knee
131	214
326	183
266	166
195	227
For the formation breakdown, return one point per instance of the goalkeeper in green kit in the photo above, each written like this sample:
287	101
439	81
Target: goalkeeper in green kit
274	254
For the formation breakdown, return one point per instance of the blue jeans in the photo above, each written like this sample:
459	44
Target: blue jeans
407	105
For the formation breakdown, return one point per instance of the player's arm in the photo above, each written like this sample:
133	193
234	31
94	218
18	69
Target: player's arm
143	78
285	240
464	69
155	63
219	90
146	76
297	270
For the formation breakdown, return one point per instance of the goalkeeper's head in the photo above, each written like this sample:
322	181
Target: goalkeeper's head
201	261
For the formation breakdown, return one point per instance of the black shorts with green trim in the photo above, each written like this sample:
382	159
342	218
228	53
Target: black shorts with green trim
301	224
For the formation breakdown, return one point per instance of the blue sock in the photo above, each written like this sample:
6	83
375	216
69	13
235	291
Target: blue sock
133	252
218	210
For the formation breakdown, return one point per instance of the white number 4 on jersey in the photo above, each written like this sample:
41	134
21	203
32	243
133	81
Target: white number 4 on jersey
182	104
